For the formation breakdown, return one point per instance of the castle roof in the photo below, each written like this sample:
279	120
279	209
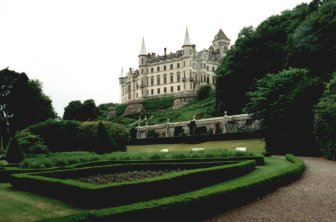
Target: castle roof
186	38
221	35
143	48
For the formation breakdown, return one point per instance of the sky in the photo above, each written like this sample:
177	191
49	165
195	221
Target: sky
77	48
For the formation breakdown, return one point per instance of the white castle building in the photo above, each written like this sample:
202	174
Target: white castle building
177	74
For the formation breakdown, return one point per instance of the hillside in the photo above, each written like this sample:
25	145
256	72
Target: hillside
203	108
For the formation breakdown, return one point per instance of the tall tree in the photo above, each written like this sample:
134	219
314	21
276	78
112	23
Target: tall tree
284	102
22	101
81	111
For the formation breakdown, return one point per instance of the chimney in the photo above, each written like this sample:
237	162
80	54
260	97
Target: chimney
165	51
130	70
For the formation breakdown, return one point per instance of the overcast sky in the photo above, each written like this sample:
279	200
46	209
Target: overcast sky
76	48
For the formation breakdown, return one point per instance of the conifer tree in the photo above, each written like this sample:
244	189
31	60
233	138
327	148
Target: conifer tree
14	152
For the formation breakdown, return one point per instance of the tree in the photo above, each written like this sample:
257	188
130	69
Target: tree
14	152
104	142
22	101
325	120
255	53
81	111
284	102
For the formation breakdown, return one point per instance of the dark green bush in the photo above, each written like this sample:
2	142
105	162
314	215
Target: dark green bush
154	104
178	131
104	142
14	152
325	121
59	136
203	92
120	109
30	143
202	130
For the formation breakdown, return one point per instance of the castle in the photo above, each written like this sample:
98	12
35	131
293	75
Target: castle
177	74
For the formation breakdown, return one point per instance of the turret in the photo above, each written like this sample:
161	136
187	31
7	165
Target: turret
121	77
221	43
188	48
143	54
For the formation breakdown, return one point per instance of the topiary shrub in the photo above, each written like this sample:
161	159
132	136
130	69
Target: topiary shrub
14	152
203	92
104	142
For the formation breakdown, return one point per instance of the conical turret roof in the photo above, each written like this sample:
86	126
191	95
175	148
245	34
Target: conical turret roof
221	35
186	38
143	48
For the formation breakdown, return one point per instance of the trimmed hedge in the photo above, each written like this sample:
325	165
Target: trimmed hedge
200	204
97	196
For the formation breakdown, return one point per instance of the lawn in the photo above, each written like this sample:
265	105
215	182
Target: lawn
19	206
252	145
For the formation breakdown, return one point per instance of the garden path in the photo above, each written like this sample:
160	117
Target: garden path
312	198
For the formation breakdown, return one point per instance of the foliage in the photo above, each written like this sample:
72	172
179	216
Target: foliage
31	144
190	205
68	158
104	142
203	92
22	100
283	102
59	136
14	152
86	111
120	109
325	120
70	135
158	103
303	37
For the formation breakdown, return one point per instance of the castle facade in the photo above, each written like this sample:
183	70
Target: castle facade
177	74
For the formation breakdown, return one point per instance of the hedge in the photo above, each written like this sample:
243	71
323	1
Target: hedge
96	196
200	204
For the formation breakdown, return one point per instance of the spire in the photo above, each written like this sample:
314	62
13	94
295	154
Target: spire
186	38
143	48
122	72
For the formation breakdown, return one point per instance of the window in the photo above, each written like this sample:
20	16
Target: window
164	68
208	80
152	81
207	68
141	61
171	78
158	80
165	90
164	79
183	63
178	77
178	88
152	91
213	68
171	89
158	68
158	91
178	65
152	70
171	66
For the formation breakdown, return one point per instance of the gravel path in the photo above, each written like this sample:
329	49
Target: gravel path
312	198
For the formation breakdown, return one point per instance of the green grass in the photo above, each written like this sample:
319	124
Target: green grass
252	145
22	206
68	158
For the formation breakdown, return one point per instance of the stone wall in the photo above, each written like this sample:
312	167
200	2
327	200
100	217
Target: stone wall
225	124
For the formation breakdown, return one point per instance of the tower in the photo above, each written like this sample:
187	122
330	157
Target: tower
221	43
143	54
188	48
